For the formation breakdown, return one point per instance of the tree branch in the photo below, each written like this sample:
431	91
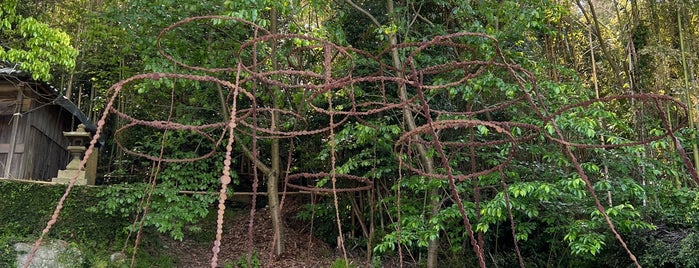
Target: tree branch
264	168
425	20
371	17
418	16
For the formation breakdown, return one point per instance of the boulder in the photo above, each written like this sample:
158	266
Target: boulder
51	254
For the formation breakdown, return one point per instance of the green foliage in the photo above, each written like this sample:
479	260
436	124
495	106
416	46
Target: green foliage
679	251
33	45
7	251
550	203
672	243
324	212
27	207
242	261
341	263
584	240
169	211
416	228
361	143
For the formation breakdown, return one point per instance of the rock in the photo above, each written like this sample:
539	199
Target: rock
51	254
117	258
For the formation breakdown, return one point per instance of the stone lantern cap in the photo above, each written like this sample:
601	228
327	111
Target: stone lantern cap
77	137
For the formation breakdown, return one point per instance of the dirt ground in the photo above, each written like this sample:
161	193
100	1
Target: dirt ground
302	249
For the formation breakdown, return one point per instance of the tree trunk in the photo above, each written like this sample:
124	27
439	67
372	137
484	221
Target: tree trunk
427	162
273	171
273	176
594	23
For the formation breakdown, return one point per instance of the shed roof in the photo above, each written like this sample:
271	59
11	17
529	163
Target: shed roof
52	94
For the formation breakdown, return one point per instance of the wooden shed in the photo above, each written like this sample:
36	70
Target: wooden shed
33	117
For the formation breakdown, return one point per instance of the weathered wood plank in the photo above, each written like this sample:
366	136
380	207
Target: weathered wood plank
13	141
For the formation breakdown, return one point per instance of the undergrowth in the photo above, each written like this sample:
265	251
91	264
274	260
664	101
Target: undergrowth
27	207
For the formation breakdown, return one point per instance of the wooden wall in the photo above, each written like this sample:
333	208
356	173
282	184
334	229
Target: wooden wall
47	143
8	106
40	147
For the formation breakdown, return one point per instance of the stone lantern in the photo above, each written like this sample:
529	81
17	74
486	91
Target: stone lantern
77	141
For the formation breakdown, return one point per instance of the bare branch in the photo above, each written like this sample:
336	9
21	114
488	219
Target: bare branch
264	168
371	17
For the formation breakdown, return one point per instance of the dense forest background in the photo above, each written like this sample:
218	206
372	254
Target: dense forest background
553	204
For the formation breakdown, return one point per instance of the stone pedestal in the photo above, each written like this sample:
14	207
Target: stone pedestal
77	139
64	177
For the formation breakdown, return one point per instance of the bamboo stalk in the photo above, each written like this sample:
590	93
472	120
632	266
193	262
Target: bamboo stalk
687	91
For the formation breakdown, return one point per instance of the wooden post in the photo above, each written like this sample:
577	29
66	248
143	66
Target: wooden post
13	136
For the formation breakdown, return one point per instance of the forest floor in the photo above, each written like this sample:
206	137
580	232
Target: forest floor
302	249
